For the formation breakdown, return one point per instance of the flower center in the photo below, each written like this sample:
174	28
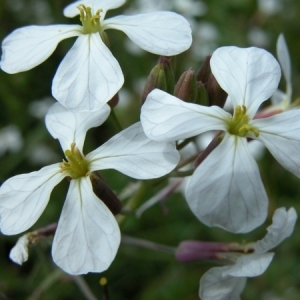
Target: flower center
238	125
90	22
76	166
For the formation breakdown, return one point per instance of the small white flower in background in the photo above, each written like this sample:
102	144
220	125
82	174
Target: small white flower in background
281	100
11	139
19	253
89	75
226	189
87	237
228	282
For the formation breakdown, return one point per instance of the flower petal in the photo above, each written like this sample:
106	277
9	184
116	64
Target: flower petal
19	253
87	236
71	126
250	265
281	135
27	47
88	77
133	154
215	286
71	10
226	189
24	198
162	33
285	61
167	118
248	75
281	228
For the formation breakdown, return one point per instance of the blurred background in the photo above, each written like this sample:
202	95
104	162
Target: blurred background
25	145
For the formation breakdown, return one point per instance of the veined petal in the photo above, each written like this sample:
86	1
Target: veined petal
250	265
70	126
248	75
71	10
133	154
88	77
27	47
215	286
162	33
281	135
226	189
167	118
24	198
281	228
87	236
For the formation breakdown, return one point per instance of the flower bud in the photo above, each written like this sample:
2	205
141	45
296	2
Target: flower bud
216	95
204	71
188	251
202	95
161	77
105	194
186	87
114	100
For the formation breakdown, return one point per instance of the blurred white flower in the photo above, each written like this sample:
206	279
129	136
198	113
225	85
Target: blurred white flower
10	139
270	7
39	108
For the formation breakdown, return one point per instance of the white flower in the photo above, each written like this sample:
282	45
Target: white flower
226	189
89	75
281	100
87	237
228	282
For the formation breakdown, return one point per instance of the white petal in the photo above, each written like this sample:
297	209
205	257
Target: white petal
19	253
71	126
284	58
29	46
71	10
167	118
281	135
281	228
278	97
250	265
215	286
248	75
226	189
162	33
133	154
88	236
24	198
89	75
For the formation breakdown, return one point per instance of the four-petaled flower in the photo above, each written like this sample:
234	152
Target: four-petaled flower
226	189
228	282
89	75
87	237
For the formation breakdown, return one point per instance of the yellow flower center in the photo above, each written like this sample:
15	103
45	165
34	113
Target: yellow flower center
238	124
90	22
76	166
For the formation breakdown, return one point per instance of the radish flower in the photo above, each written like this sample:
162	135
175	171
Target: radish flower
228	282
87	236
226	189
89	75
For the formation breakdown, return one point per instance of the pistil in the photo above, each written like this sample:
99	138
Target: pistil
238	125
76	166
90	22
